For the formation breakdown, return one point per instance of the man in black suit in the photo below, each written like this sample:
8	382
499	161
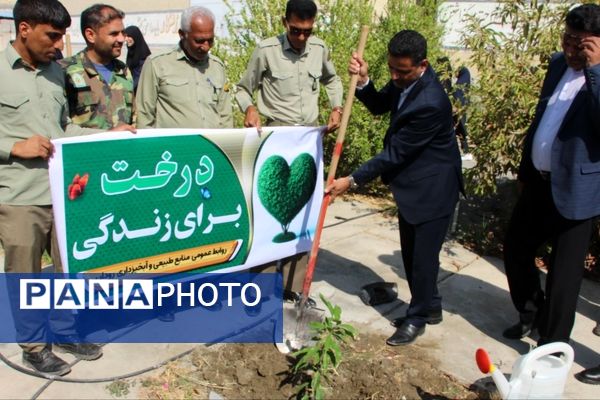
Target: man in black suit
560	179
421	163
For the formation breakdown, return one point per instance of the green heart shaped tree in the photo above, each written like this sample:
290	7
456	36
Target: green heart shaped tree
284	190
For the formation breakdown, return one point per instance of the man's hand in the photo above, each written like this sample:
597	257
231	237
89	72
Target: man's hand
124	127
34	147
252	119
590	49
360	67
338	187
335	118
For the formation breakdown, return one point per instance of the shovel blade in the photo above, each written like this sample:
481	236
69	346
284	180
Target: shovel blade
296	330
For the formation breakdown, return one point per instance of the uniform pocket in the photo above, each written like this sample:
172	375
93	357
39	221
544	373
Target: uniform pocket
13	101
175	89
60	98
314	78
12	108
87	101
283	82
217	88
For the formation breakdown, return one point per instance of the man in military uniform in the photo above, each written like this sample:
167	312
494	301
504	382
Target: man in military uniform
186	87
99	86
287	71
33	110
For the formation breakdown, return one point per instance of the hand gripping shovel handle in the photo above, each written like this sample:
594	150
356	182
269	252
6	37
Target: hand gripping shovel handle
337	151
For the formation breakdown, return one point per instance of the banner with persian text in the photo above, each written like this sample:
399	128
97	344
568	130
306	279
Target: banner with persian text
177	200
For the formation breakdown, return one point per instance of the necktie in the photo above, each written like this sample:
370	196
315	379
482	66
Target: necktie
400	99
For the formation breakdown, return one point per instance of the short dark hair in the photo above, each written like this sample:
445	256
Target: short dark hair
98	15
302	9
408	43
34	12
585	18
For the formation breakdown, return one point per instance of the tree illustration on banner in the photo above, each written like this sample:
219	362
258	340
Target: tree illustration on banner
284	190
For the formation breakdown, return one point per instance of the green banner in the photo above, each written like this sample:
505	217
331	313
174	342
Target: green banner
161	203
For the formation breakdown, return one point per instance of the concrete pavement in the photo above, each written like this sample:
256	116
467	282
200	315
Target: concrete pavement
361	245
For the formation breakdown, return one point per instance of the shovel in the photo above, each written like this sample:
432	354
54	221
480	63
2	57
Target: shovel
296	329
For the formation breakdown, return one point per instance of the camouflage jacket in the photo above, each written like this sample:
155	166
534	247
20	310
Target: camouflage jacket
94	103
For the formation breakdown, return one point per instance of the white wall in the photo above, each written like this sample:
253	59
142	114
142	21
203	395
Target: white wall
453	14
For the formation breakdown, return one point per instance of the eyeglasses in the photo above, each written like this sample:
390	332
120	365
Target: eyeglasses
297	31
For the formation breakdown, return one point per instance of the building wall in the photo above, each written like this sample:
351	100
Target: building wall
7	32
158	20
76	6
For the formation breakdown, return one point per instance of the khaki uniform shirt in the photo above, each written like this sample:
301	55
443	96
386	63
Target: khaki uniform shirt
288	82
93	102
175	91
32	101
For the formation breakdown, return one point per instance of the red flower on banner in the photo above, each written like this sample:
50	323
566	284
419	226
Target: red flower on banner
76	187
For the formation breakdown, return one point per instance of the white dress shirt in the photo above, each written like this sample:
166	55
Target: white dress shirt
570	84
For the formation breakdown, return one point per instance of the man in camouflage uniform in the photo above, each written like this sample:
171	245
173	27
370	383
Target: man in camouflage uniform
99	86
186	87
287	71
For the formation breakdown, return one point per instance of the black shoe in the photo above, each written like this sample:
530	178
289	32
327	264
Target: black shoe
433	318
519	330
405	334
46	362
168	316
377	293
83	351
295	297
596	330
590	376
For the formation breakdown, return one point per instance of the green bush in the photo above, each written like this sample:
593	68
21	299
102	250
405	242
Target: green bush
511	69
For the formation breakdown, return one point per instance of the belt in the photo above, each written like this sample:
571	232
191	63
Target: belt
545	175
273	122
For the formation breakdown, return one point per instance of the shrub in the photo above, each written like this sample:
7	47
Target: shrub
511	68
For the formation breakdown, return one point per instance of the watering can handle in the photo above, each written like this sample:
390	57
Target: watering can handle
551	348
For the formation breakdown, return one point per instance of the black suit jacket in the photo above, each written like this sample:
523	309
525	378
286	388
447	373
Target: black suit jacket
575	159
420	158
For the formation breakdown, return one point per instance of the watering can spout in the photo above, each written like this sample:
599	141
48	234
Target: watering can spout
501	383
540	374
485	365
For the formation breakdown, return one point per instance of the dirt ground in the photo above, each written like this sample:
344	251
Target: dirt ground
370	370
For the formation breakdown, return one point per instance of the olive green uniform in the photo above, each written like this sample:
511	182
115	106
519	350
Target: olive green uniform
93	102
32	101
288	82
175	91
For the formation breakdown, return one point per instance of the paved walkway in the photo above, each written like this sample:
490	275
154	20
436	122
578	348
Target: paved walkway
359	246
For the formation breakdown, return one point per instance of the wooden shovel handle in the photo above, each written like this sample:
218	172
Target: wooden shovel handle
337	151
339	143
